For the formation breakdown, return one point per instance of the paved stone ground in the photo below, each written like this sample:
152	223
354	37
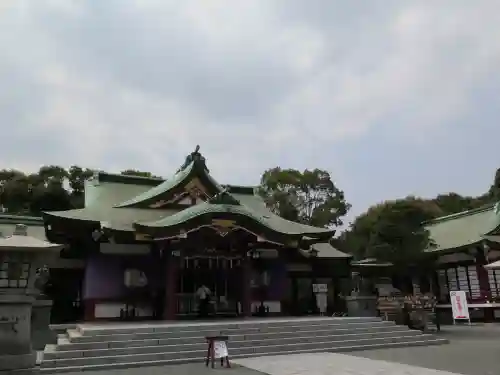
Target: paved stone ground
187	369
472	350
332	364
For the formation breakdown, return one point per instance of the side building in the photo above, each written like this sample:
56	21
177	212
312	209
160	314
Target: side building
66	272
146	245
465	243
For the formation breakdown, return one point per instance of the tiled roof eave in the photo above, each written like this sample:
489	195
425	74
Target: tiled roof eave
67	215
271	222
450	250
27	244
495	230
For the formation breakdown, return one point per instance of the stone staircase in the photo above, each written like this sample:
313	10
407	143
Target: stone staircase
92	347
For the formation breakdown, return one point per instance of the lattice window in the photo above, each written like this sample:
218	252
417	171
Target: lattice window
451	273
463	282
475	289
494	279
460	278
14	272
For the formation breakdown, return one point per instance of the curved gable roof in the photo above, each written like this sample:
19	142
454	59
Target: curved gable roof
464	228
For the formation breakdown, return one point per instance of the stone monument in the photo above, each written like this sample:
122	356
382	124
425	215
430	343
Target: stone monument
20	257
362	301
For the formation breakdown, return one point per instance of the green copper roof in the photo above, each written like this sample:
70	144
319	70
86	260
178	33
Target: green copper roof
325	250
114	218
154	192
124	203
464	228
194	166
268	219
101	191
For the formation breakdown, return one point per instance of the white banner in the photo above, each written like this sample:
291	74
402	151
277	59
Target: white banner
220	349
322	302
459	306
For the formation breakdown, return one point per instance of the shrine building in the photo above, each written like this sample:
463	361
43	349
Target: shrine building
464	244
141	247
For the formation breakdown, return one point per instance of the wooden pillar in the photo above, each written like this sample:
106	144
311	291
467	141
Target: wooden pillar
170	310
314	280
435	285
246	298
484	283
88	310
482	274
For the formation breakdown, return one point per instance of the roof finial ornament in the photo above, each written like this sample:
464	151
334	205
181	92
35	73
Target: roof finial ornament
194	156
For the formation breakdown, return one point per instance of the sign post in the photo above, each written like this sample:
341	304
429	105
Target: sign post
459	307
217	349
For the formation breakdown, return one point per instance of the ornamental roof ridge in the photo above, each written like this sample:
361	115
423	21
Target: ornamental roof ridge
101	176
195	156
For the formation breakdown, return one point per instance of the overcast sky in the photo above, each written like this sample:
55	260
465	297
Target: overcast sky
392	97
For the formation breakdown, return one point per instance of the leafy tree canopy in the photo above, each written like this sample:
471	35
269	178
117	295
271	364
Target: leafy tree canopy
310	197
494	192
391	231
52	188
452	203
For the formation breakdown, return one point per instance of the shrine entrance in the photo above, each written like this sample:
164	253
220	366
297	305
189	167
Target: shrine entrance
221	274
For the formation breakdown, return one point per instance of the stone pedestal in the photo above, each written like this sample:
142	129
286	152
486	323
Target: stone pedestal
41	334
15	333
361	306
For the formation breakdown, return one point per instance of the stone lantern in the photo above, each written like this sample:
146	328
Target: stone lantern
20	258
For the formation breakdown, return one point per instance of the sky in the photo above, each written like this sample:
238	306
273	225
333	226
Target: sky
391	97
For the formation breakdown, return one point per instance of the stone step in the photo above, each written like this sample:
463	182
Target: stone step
66	345
85	335
89	330
200	344
78	337
129	361
87	347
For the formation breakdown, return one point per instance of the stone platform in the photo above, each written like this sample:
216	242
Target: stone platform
114	345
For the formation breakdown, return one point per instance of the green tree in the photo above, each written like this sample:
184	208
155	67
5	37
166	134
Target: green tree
53	197
76	177
452	203
52	175
310	197
15	193
47	190
34	193
392	231
494	191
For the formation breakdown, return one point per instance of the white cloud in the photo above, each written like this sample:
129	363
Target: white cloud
138	84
